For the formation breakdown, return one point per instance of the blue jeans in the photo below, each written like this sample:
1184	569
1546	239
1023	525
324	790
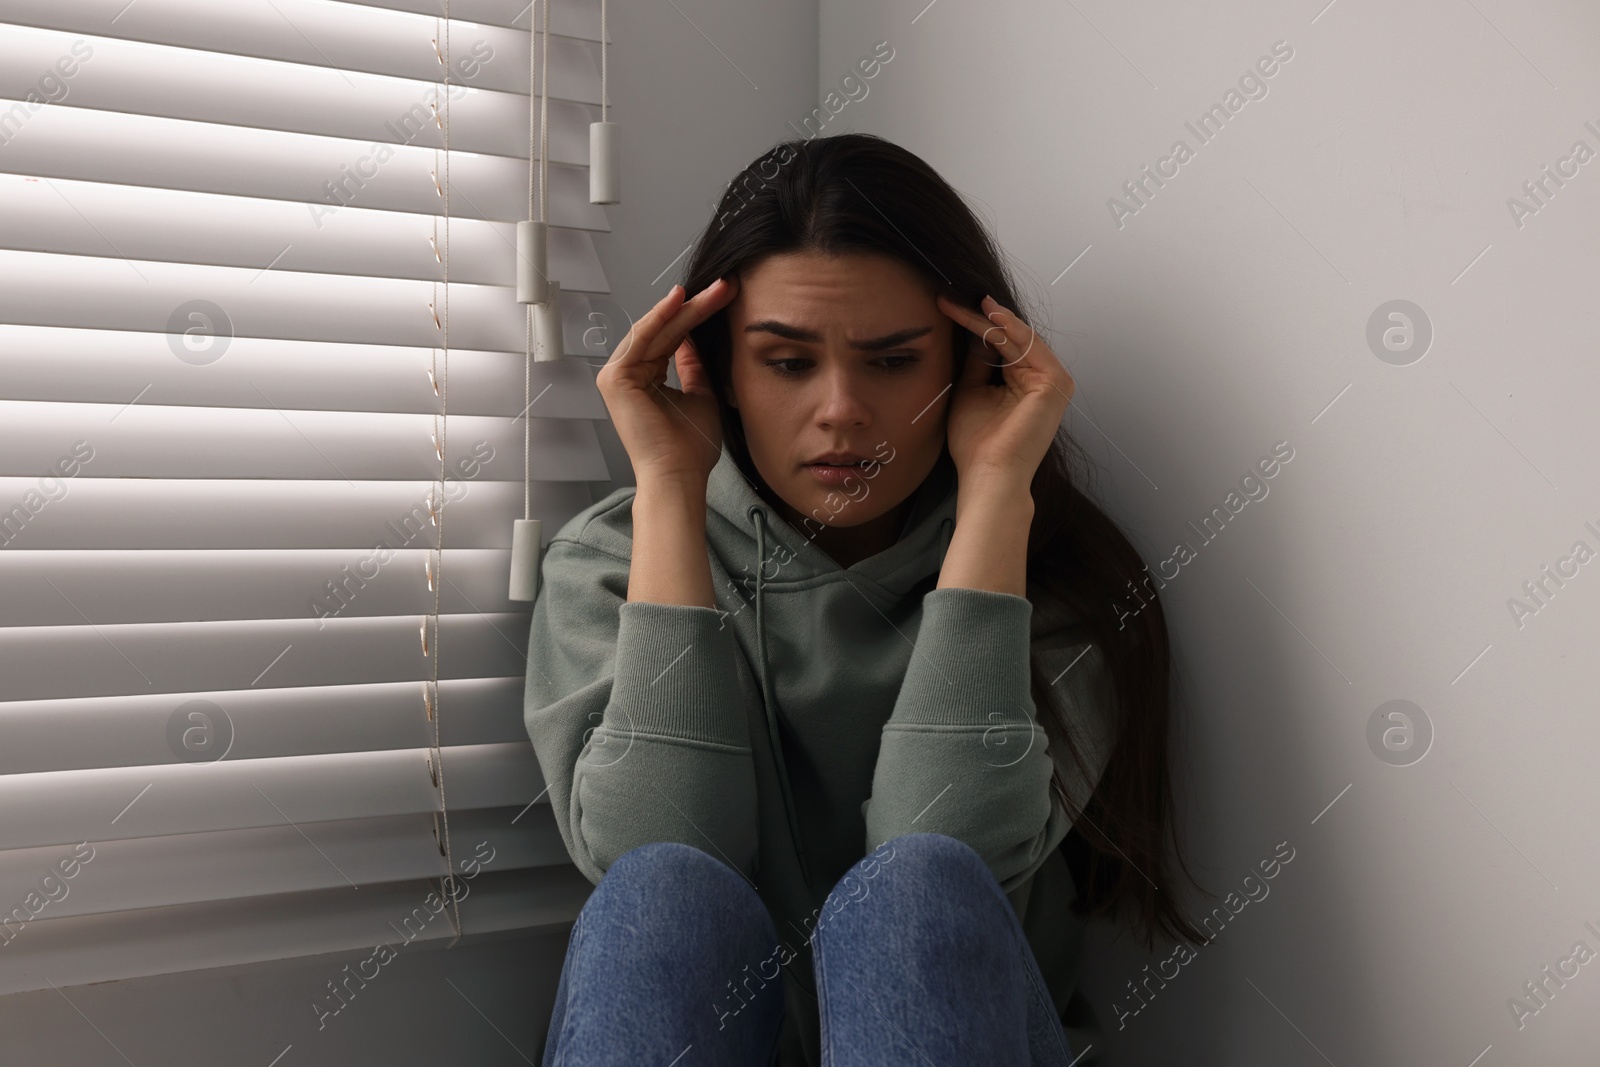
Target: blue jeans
929	967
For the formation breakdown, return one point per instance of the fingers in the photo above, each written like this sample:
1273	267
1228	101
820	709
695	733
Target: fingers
633	347
691	313
1000	330
658	332
691	369
1016	331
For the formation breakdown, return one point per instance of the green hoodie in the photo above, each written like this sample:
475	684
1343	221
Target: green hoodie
817	713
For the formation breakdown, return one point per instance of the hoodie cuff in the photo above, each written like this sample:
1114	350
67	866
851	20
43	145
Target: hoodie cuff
677	675
970	660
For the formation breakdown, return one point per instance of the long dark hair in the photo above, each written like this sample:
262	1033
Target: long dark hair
857	193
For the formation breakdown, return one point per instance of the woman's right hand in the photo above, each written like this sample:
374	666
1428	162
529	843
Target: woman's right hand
668	433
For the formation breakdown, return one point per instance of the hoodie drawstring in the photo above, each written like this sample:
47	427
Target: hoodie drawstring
759	515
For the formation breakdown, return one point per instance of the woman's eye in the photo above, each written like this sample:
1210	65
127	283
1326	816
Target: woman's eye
794	366
781	368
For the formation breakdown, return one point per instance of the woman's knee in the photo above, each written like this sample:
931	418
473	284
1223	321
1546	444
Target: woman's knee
925	880
928	857
671	870
658	860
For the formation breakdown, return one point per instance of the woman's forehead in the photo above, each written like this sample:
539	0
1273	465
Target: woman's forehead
870	295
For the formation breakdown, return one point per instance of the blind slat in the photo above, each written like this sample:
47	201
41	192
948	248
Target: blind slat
140	441
131	731
113	367
204	513
92	219
40	289
119	803
117	149
231	864
574	18
95	948
116	587
40	662
145	441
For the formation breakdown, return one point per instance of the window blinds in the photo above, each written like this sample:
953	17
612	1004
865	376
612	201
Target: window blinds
221	337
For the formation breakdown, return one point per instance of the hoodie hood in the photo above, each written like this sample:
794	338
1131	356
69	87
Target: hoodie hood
754	541
762	553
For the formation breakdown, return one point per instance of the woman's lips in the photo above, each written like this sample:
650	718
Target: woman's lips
834	475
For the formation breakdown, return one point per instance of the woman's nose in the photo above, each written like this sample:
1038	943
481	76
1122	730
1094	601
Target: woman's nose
840	404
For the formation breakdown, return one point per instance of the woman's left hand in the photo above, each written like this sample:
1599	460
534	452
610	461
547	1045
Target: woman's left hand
1004	430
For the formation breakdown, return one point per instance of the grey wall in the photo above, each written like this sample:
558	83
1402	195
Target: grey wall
1230	312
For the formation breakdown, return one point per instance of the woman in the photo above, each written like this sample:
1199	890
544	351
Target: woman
838	690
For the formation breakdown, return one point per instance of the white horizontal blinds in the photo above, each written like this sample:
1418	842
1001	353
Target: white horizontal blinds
236	520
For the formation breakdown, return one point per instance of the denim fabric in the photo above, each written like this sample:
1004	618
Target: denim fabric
927	966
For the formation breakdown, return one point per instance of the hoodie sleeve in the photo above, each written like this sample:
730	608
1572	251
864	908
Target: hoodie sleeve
638	714
963	753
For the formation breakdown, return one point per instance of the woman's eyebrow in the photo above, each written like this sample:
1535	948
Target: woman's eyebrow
874	344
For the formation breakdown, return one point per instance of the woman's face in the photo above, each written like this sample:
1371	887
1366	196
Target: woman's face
840	354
